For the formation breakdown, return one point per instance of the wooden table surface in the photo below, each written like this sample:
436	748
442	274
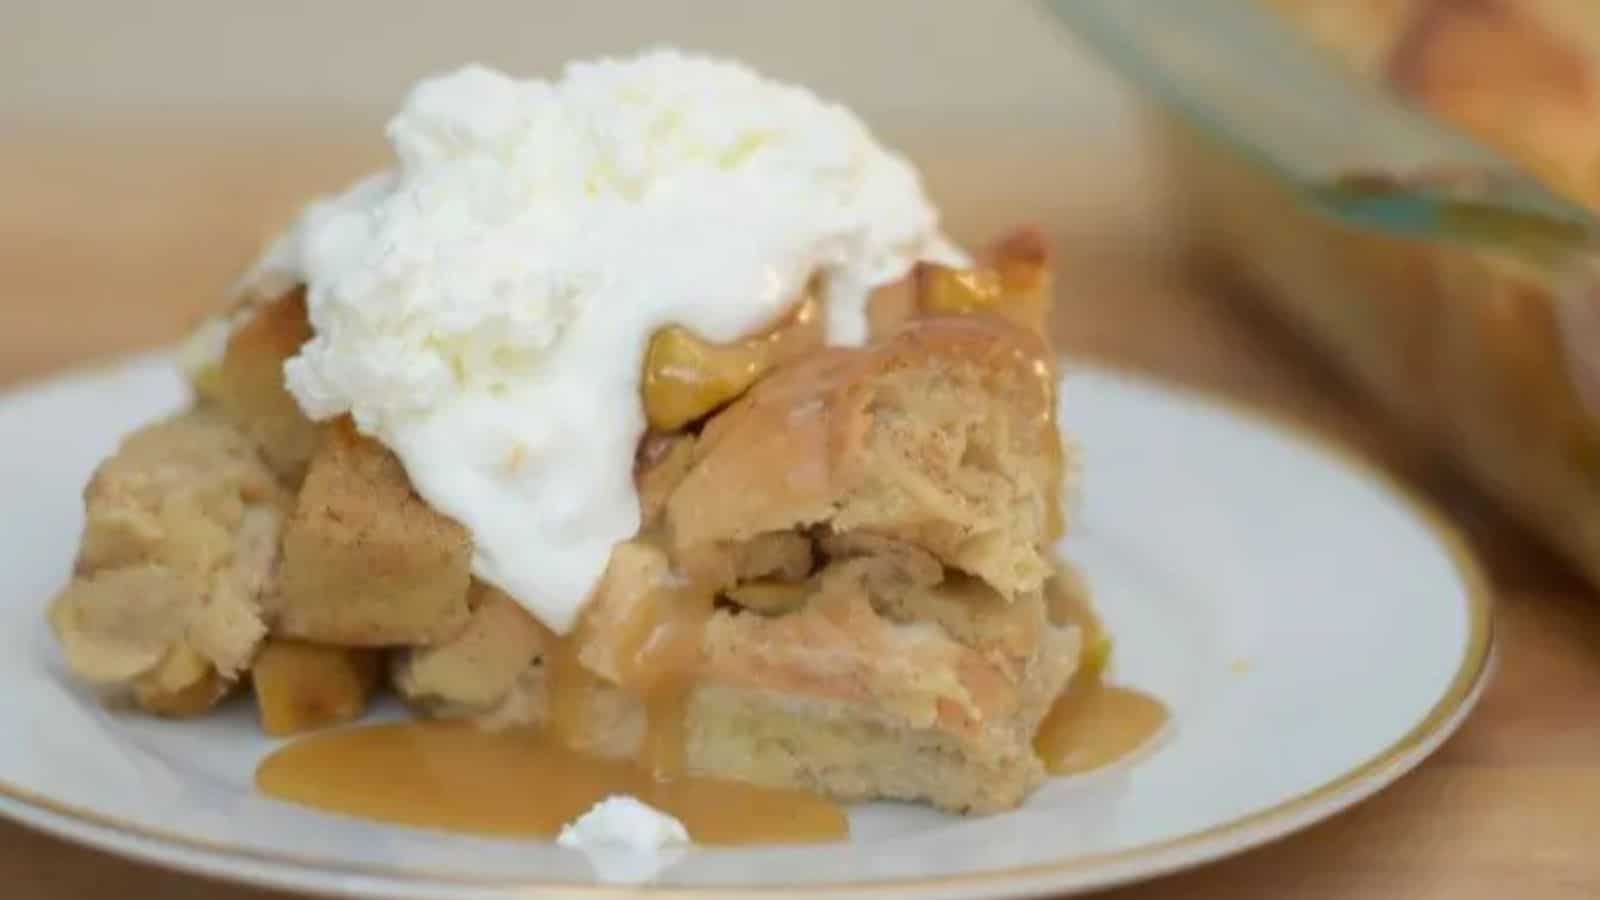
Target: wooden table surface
114	242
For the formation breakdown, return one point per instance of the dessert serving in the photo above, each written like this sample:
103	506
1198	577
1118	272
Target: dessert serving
640	428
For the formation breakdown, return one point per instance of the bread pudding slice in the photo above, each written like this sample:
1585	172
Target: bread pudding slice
842	581
874	526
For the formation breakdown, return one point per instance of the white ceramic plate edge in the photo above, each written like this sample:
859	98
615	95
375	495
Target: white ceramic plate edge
1077	875
1073	875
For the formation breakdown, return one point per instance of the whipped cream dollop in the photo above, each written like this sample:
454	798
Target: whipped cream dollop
484	308
625	839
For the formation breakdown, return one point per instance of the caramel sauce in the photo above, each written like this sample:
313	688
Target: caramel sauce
570	687
454	776
458	777
686	377
1094	724
657	656
660	667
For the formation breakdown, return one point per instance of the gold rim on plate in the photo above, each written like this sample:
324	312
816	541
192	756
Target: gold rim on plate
1114	867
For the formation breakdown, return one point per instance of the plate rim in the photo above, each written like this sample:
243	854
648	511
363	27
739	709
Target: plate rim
220	859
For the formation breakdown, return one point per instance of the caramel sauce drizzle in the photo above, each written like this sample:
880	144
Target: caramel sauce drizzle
1094	724
456	776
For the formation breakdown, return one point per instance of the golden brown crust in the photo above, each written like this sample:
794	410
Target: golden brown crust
839	699
942	435
365	561
877	649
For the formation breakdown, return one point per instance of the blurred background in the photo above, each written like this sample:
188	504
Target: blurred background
147	150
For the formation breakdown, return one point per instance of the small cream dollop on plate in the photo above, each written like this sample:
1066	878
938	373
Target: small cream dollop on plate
626	839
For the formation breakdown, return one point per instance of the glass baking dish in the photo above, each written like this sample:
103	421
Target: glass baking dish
1483	353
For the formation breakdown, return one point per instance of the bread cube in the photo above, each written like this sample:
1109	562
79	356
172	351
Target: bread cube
365	561
249	387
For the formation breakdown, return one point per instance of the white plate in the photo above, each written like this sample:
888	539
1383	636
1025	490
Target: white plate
1314	632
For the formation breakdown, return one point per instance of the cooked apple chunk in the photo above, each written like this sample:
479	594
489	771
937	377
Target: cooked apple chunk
301	686
687	377
1013	282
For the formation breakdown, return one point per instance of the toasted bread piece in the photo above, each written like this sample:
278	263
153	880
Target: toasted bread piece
785	556
477	670
180	541
300	686
366	562
838	698
885	665
868	651
942	436
248	385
